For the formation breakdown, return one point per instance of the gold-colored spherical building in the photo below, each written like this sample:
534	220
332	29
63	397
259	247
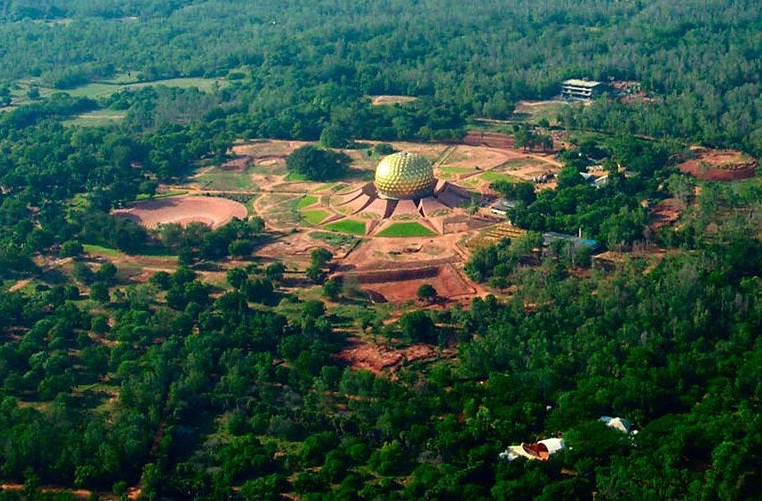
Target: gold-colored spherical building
404	176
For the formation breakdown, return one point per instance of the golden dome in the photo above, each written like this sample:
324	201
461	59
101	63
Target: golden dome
404	175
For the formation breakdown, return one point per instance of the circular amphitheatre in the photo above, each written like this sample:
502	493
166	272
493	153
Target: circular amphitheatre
212	211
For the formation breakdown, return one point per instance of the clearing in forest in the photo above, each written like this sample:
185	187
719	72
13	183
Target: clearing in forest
212	211
534	111
719	165
377	358
446	280
389	99
97	90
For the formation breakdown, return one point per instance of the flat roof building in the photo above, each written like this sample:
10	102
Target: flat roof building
502	206
581	90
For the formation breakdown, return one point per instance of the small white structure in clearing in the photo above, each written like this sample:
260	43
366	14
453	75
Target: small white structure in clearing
541	450
619	424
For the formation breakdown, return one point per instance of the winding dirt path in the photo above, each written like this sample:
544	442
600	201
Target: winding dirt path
24	281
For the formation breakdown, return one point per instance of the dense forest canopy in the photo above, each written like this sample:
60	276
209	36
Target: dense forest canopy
220	378
702	62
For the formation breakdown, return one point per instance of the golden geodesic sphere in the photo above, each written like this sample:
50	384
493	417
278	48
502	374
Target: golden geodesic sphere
404	175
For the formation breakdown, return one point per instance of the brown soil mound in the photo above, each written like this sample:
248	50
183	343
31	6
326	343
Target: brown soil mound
238	164
719	165
375	277
491	139
212	211
666	213
376	358
400	285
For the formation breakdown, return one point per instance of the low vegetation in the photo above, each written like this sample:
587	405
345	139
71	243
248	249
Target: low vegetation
348	226
306	201
316	216
408	229
178	363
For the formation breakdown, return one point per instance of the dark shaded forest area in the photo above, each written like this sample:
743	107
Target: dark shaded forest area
178	388
703	62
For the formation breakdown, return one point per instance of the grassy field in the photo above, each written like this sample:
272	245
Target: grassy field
325	187
348	226
406	230
534	111
163	194
456	170
146	250
337	239
296	178
218	179
102	89
495	176
306	201
97	90
97	118
314	216
472	182
104	251
451	172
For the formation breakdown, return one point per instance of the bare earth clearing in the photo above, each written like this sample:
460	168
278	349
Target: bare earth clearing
447	281
380	100
666	213
212	211
376	358
719	165
295	209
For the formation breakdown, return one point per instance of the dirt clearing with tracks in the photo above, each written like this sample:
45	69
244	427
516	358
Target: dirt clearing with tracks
212	211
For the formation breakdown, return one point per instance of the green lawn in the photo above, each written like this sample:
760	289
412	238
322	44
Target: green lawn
306	201
406	230
496	176
99	249
314	216
348	226
296	178
218	179
146	250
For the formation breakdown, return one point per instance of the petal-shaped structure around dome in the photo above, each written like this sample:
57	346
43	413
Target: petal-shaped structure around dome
404	176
